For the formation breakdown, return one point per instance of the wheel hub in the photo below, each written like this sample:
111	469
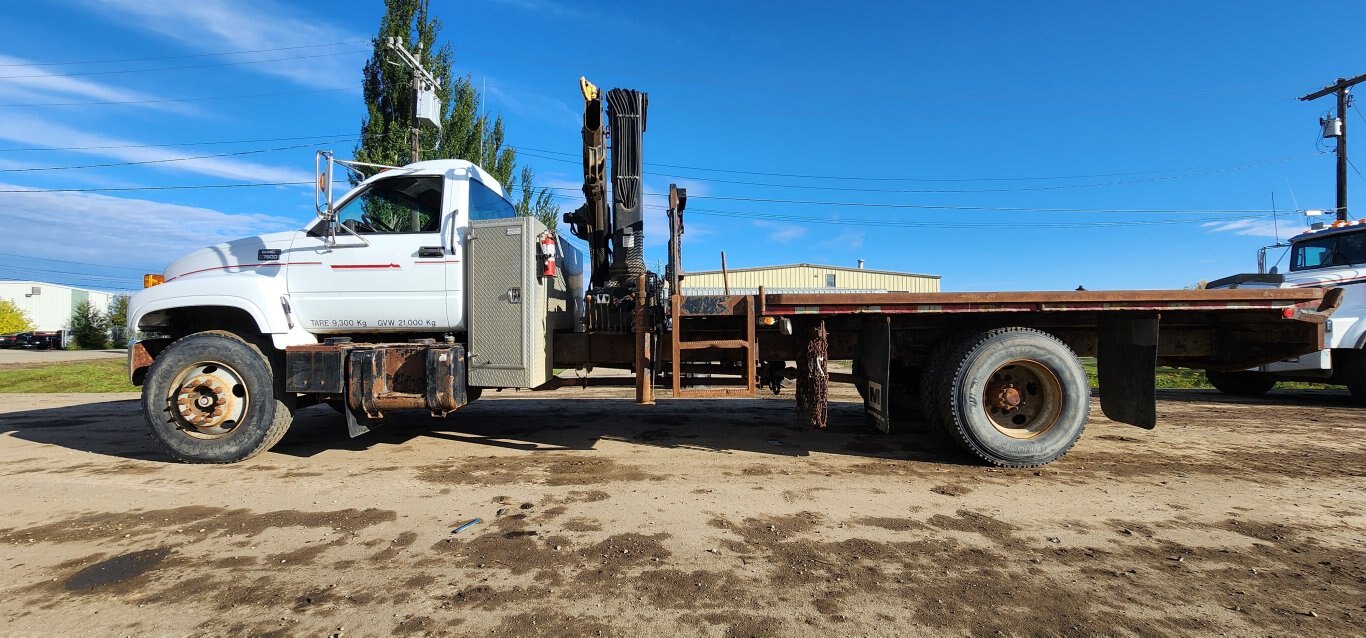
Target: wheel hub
1023	399
203	401
1007	397
208	401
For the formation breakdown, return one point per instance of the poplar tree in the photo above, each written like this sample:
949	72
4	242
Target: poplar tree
464	133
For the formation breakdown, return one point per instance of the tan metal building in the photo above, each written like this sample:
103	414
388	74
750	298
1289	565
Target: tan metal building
808	278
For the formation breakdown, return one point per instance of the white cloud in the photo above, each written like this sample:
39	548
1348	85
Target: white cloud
534	105
33	84
120	231
779	233
846	240
37	132
1249	227
248	25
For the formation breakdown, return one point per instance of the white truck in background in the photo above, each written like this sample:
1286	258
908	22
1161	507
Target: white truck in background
1327	256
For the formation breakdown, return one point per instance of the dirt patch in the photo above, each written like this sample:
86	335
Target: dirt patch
951	490
547	469
975	522
119	569
195	519
889	523
550	622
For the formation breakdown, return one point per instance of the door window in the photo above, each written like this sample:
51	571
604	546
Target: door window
395	205
486	204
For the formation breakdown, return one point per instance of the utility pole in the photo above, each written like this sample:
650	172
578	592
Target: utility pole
1338	129
425	106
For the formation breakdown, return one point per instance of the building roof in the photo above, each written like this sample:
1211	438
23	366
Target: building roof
819	266
27	282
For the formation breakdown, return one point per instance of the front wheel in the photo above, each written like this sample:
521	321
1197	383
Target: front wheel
1014	397
1242	384
211	398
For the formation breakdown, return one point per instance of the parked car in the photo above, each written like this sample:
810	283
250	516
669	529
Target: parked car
9	341
38	341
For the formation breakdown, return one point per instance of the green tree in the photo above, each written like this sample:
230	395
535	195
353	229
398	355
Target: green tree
117	316
13	318
464	133
539	204
89	327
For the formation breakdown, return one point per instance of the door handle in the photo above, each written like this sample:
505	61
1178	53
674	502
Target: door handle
431	251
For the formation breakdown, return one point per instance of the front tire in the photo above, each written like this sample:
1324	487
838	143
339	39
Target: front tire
211	397
1242	384
1014	397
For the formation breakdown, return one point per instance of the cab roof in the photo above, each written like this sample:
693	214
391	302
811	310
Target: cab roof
442	167
1328	231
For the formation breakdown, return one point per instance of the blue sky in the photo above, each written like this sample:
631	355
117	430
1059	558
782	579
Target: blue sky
1002	145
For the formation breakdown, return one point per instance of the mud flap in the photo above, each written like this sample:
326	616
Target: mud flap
364	368
1126	355
875	359
357	424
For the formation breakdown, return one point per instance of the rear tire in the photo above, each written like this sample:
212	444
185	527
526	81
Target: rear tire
1242	384
934	382
211	397
1014	397
1355	368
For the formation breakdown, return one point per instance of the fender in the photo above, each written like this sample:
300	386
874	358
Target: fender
265	299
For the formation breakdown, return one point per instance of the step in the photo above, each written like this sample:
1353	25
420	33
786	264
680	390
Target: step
725	344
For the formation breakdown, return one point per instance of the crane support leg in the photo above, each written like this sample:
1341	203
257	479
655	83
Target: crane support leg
813	376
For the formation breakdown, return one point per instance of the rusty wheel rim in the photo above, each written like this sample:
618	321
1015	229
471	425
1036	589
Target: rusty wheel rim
208	400
1023	399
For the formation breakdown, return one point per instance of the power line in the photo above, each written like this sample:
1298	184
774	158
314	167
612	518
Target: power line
76	263
975	190
998	209
954	224
158	161
170	144
937	179
181	57
150	188
209	98
87	276
971	208
179	68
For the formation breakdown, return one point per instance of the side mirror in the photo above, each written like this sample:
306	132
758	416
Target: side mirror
1274	270
322	198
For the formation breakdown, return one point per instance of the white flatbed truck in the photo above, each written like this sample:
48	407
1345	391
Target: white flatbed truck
420	288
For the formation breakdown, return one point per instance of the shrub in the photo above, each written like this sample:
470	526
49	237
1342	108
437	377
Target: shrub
89	327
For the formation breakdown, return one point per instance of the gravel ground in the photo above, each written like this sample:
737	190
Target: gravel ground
709	518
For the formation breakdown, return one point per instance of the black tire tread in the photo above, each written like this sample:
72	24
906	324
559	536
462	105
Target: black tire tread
1241	384
959	362
283	414
933	385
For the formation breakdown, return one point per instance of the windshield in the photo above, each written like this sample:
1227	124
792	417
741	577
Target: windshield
1341	249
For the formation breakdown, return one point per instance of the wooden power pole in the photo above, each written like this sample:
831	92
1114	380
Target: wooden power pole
425	106
1338	129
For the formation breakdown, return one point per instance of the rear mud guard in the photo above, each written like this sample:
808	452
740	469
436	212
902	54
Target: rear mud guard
875	354
1126	355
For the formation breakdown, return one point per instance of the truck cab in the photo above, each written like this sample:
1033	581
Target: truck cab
1323	257
232	338
390	258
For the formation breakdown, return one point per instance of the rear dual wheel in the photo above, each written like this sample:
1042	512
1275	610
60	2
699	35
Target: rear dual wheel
1242	384
1014	397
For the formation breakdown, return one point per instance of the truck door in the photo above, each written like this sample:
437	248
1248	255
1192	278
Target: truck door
390	279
